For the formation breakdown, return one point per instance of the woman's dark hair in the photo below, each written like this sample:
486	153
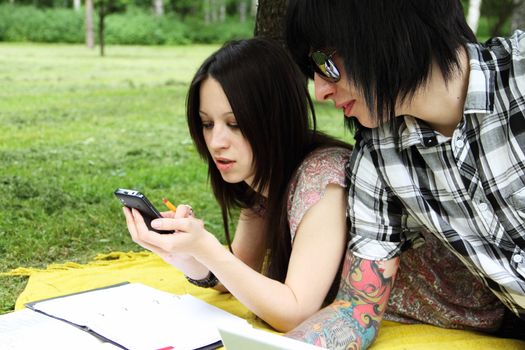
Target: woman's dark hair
270	100
387	45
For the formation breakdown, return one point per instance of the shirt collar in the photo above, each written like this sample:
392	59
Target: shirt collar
479	99
413	131
481	87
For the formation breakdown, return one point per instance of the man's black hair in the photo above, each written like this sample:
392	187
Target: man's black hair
388	46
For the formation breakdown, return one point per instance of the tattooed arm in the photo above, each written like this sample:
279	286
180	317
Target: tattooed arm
352	320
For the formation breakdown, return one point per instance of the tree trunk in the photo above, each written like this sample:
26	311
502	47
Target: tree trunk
506	11
242	11
76	5
206	5
101	17
253	7
518	17
158	7
90	35
213	11
474	7
222	11
270	19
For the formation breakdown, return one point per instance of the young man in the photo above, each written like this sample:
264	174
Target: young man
440	145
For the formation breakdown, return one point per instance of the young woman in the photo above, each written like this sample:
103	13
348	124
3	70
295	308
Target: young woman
251	118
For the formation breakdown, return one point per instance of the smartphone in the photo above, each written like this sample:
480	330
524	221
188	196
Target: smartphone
135	199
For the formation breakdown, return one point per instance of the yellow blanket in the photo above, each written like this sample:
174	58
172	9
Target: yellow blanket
149	269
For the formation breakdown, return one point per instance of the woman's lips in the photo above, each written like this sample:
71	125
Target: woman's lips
224	164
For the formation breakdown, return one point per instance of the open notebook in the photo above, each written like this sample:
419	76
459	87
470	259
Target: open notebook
135	316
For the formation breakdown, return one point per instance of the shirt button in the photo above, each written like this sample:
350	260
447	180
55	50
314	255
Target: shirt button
460	143
483	206
518	259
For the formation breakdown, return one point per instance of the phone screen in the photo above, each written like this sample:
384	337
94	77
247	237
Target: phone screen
135	199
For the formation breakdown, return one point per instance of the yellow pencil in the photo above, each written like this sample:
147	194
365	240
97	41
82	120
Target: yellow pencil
169	205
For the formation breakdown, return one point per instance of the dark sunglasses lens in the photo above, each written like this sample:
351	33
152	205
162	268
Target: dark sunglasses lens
324	66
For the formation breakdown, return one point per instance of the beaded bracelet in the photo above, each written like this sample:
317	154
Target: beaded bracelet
207	282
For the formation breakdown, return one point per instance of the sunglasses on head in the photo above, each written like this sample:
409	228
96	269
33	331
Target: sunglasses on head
324	65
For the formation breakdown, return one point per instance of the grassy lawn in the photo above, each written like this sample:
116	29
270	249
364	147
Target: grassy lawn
74	127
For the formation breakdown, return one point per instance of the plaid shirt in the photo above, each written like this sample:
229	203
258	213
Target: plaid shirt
468	189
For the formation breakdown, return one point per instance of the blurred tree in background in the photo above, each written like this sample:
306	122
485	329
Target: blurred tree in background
499	14
158	22
135	22
103	9
496	17
518	17
473	13
215	10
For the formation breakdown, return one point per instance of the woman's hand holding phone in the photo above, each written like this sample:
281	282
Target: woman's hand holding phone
190	235
172	248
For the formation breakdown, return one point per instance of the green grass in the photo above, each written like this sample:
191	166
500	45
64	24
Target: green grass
75	126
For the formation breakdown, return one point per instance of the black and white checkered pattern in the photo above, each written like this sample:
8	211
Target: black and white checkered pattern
468	189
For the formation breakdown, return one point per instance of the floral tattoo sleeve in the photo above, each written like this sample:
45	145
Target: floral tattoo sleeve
352	320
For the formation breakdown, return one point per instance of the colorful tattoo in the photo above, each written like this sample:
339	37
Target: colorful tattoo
352	321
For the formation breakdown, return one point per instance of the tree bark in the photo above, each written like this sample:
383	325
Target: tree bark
270	19
76	5
90	35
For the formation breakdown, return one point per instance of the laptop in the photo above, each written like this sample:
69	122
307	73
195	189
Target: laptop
254	339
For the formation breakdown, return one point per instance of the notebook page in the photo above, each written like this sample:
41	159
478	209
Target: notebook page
27	329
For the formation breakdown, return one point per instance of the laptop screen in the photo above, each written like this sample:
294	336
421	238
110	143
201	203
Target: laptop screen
254	339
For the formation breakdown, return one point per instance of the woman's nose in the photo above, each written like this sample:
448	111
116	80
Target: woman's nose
219	137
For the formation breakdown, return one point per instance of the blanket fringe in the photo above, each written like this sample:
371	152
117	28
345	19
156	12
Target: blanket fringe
99	260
